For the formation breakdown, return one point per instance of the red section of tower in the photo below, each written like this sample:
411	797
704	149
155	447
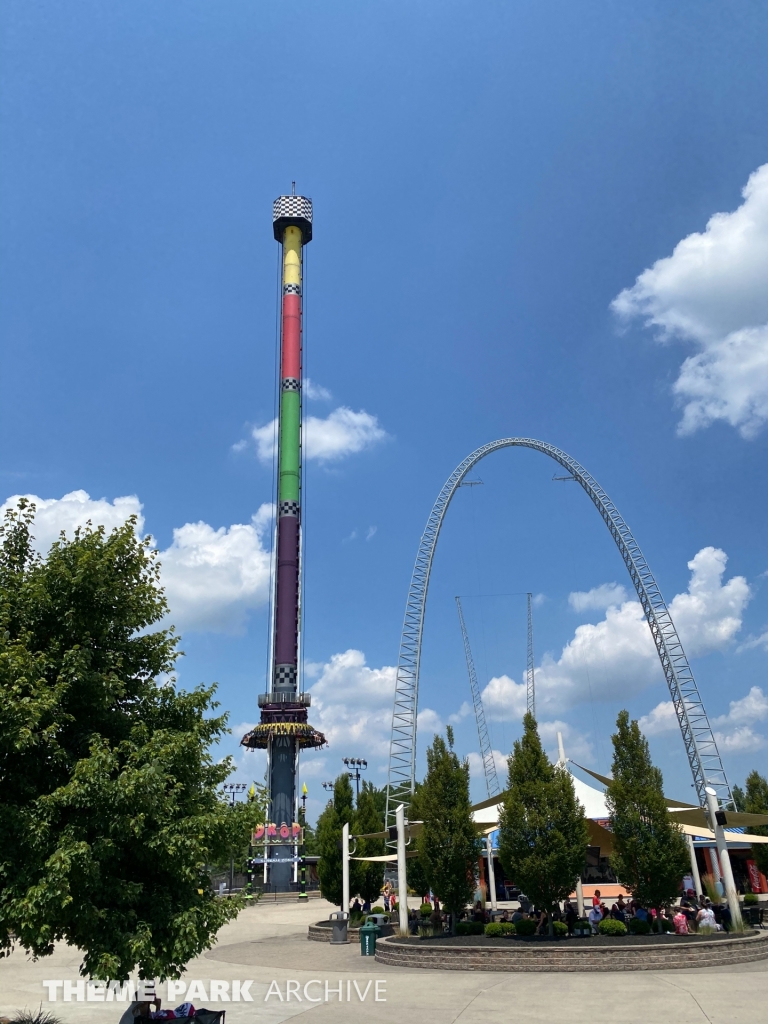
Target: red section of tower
291	357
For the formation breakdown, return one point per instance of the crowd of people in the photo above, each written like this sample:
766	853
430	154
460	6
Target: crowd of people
692	914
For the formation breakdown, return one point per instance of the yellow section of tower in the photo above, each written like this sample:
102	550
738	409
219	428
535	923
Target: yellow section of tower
292	256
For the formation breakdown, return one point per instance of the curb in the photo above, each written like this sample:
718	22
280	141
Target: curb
519	958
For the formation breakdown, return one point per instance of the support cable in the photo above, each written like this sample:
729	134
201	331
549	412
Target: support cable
530	682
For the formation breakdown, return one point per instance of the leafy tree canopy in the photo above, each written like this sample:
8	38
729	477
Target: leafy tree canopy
338	811
651	854
368	818
542	829
448	844
109	797
756	802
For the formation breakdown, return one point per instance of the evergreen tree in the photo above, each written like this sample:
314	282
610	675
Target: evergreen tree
738	798
338	811
417	875
448	844
110	799
368	819
756	802
650	852
543	832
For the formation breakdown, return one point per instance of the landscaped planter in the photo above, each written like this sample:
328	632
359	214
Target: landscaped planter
599	953
321	931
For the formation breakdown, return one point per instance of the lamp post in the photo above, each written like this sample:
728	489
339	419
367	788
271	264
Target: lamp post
357	764
717	819
303	863
328	786
233	789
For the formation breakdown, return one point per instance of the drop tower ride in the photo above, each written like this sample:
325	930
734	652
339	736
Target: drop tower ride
284	729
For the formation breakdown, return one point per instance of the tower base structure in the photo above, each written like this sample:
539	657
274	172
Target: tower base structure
283	731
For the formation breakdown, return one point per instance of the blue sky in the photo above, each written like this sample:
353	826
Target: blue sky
490	182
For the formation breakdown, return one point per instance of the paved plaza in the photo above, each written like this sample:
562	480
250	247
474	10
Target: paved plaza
268	947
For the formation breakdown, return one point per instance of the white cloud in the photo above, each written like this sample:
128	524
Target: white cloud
733	731
577	746
343	432
428	722
616	655
316	391
371	532
352	705
712	292
75	509
598	598
742	740
709	615
755	641
458	716
477	769
504	699
212	577
752	708
660	720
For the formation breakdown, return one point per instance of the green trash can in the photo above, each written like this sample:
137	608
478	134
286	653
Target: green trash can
369	932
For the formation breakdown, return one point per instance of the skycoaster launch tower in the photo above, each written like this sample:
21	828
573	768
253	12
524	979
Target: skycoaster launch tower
284	729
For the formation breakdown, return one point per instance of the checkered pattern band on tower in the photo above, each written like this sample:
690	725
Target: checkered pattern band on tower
285	677
288	508
291	289
292	210
290	384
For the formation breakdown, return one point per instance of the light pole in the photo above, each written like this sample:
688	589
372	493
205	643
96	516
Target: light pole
328	786
357	764
303	861
233	789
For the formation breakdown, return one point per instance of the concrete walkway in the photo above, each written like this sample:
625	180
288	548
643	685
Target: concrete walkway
267	946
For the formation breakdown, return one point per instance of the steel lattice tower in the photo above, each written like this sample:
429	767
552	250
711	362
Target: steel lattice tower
486	750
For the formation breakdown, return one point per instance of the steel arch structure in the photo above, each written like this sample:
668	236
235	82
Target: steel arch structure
698	738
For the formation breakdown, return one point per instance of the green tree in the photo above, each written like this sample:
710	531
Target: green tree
542	829
738	798
448	844
110	804
756	802
368	819
650	852
417	875
338	811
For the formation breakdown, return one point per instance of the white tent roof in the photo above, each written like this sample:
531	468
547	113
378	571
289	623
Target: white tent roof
592	799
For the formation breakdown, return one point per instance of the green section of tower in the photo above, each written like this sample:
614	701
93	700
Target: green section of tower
290	418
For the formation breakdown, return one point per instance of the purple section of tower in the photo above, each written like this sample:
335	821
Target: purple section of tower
286	617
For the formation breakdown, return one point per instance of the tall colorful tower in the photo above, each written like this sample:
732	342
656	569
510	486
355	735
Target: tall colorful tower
284	728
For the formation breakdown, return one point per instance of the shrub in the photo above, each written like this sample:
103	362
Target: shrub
470	928
525	927
507	928
37	1017
426	909
750	898
608	926
494	929
638	927
378	910
560	928
667	925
